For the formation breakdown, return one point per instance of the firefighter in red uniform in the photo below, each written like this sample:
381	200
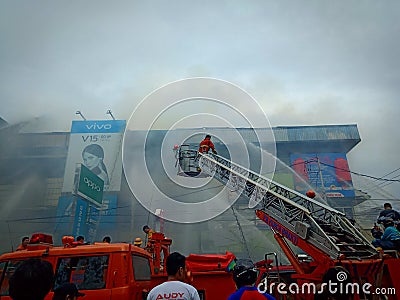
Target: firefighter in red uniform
24	244
206	144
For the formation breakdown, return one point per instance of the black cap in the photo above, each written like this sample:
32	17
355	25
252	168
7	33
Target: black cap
68	289
244	272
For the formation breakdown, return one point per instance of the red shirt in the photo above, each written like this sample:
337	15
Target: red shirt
205	145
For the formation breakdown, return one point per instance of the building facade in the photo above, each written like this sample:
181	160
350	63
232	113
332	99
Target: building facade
34	197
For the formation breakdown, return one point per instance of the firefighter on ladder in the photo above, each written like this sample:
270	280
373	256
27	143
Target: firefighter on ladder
205	146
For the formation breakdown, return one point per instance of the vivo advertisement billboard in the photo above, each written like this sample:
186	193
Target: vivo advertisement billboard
96	145
328	172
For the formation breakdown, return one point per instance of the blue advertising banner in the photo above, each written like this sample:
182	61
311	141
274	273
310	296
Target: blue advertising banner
75	216
102	219
80	219
108	212
328	172
93	222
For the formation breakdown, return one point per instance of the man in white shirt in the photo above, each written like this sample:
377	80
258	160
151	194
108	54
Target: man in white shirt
174	288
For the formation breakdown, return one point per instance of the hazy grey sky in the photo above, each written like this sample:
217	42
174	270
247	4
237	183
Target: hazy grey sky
305	62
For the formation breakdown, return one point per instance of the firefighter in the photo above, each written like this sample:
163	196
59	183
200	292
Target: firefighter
245	275
204	147
80	240
24	244
206	144
147	230
137	242
149	241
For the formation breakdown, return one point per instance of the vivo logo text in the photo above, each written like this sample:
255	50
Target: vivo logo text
96	126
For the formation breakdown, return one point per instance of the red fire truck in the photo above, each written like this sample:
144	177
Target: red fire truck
119	271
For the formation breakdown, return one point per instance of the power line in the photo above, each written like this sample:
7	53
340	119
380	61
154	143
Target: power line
360	174
388	183
348	170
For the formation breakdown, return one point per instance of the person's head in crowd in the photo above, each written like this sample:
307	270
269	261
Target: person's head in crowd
80	239
107	239
387	206
244	273
32	279
176	266
67	291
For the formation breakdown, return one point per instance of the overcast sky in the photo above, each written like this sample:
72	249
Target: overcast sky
305	62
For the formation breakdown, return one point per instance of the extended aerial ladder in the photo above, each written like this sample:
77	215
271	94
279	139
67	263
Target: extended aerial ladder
322	232
294	215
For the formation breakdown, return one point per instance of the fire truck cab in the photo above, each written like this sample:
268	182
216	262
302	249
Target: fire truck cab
101	271
119	271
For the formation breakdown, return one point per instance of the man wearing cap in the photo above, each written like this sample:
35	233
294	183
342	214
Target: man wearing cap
245	276
67	291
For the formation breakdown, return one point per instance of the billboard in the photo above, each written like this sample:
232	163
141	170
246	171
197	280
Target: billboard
97	145
328	172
